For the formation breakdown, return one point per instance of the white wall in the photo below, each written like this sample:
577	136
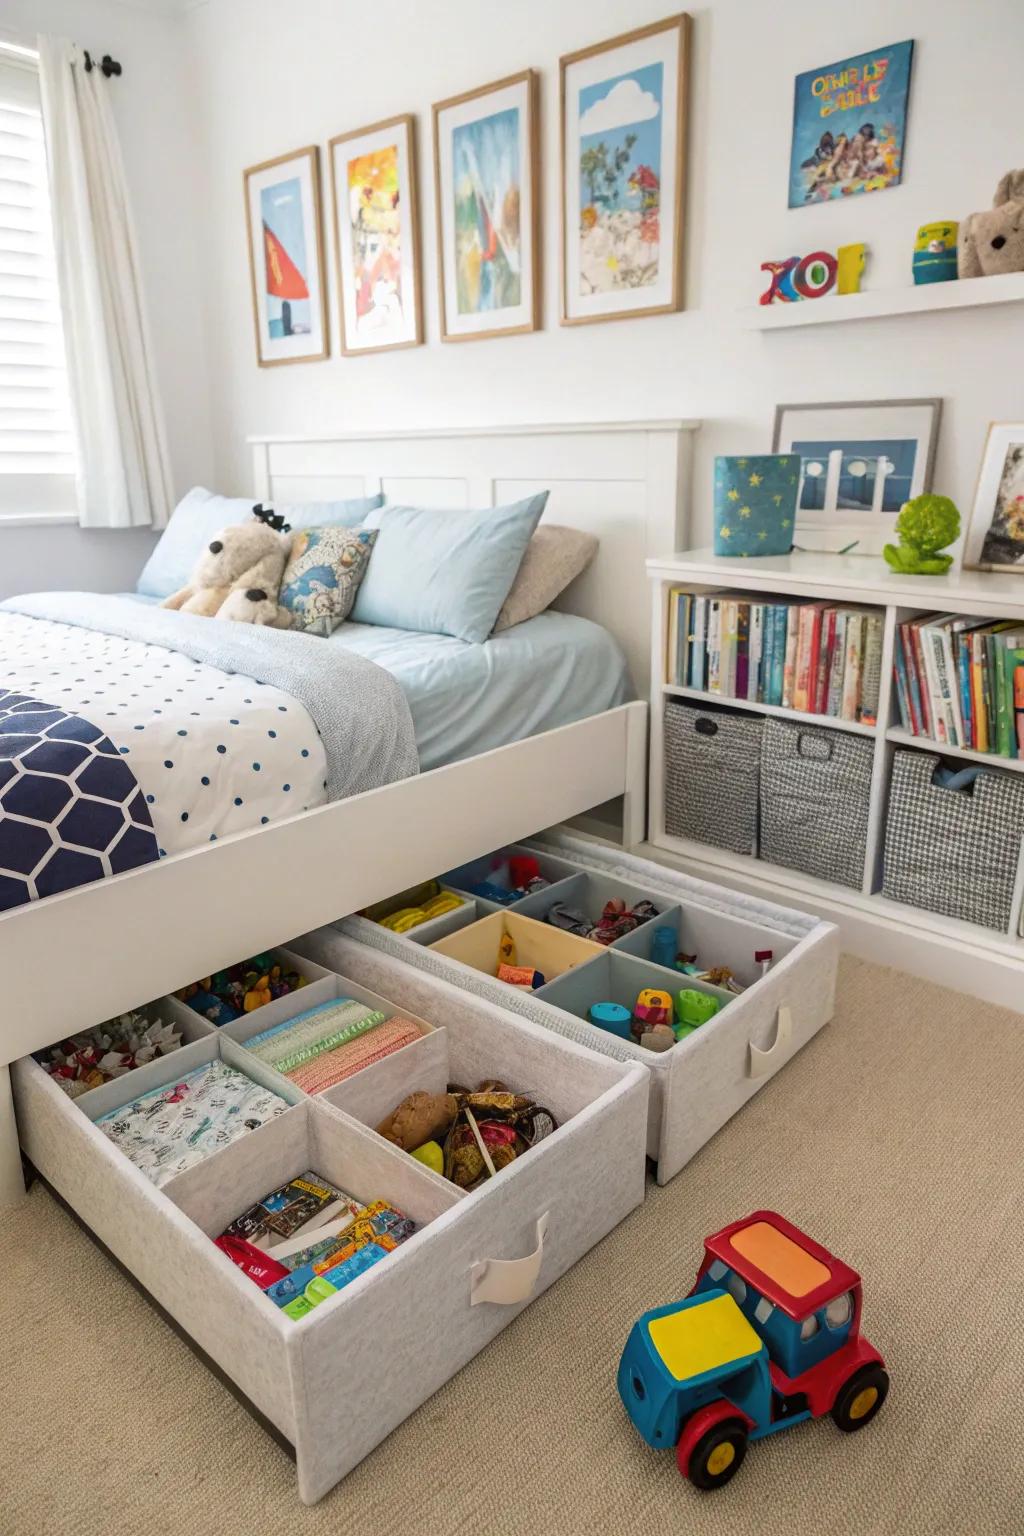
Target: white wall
266	87
156	121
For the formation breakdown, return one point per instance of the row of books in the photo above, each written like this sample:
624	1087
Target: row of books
817	658
960	682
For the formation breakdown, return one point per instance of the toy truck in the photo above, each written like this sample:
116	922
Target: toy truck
769	1336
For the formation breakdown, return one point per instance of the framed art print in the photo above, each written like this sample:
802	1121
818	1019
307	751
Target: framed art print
376	236
995	535
282	199
488	197
849	126
857	462
623	131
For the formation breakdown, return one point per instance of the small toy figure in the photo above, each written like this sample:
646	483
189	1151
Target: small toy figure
612	1017
651	1007
935	259
769	1336
925	526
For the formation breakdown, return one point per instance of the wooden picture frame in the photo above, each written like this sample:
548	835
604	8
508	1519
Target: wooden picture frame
992	538
500	259
388	316
845	440
294	251
622	243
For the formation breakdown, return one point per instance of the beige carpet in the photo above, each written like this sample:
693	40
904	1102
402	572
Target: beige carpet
895	1138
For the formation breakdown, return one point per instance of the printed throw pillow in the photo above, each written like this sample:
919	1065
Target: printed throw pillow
323	574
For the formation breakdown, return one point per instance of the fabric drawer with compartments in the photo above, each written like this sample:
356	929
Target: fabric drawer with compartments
700	1082
402	1328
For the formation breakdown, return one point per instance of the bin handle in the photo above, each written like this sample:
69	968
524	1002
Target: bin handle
818	741
762	1063
508	1281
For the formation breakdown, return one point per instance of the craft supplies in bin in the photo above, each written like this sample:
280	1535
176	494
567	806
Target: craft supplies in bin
953	838
712	773
422	905
327	1043
815	794
92	1057
539	949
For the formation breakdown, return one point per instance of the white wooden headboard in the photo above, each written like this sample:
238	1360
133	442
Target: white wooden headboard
626	481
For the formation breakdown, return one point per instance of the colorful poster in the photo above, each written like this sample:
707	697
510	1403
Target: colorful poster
285	258
285	290
376	238
849	126
622	174
488	191
485	152
619	168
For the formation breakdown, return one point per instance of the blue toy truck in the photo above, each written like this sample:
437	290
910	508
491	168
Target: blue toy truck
769	1336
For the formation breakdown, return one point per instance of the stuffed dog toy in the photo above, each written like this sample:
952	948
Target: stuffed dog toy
238	575
993	241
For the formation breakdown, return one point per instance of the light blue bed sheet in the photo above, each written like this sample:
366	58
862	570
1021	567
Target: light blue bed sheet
465	698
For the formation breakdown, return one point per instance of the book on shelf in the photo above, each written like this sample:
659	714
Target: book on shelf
815	658
956	682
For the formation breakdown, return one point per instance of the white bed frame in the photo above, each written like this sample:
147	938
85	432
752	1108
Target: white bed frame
78	958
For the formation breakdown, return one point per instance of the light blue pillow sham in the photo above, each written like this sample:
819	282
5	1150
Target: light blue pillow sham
444	573
199	515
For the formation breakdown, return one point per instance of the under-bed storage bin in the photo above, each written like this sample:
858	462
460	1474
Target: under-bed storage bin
953	850
712	763
403	1328
699	1083
815	793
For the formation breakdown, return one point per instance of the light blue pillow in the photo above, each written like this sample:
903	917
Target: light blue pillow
444	573
199	515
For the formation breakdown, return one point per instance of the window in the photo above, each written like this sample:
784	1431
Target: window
37	454
809	1327
839	1312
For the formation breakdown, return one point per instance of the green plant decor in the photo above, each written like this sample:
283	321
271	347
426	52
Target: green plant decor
924	527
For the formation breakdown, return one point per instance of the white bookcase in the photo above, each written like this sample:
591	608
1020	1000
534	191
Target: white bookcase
962	955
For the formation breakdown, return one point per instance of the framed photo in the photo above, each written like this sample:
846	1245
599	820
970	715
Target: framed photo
849	126
623	109
488	199
858	462
289	305
995	535
376	236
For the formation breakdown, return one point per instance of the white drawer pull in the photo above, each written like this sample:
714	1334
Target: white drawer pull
507	1281
764	1062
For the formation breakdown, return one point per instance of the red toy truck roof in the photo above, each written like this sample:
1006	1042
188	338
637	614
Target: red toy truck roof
788	1268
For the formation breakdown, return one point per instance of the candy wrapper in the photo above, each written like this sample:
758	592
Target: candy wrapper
96	1056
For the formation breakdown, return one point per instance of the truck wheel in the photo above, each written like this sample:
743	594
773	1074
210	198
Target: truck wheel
860	1398
718	1455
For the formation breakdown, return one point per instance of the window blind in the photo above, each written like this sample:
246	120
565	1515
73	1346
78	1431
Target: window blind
37	453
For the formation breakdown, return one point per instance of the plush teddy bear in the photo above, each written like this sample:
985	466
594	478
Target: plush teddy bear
238	575
993	241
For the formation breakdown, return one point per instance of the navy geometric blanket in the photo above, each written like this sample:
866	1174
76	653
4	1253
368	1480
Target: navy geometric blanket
71	810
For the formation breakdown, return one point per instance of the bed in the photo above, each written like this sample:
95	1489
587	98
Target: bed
512	736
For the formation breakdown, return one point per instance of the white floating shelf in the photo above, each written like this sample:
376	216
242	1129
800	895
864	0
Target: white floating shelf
798	716
961	293
990	759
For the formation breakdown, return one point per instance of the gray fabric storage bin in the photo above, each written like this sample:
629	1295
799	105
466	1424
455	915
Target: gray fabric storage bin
712	762
815	793
953	851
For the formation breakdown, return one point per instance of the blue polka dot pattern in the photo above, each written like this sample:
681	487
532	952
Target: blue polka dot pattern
142	696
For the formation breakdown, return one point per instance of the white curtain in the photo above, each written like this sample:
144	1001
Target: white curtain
123	475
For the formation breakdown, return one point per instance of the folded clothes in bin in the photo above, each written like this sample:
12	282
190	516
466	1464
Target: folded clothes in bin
173	1127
